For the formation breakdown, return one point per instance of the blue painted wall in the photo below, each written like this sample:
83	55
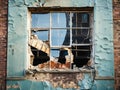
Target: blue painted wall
18	42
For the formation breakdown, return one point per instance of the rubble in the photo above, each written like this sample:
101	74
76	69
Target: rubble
39	44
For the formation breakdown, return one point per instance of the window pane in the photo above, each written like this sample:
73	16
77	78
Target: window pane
42	35
80	20
85	20
40	20
60	20
60	37
80	36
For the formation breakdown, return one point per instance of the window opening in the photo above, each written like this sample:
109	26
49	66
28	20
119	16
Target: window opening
61	40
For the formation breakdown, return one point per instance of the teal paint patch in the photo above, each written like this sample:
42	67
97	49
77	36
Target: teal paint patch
13	85
58	3
103	27
83	3
37	85
17	41
25	85
33	3
87	82
28	85
30	2
105	3
70	3
103	85
21	3
17	3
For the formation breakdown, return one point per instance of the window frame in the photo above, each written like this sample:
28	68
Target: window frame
90	28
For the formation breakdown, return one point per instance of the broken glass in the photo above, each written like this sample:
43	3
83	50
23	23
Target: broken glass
42	35
59	60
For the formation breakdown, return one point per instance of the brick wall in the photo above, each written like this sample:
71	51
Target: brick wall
116	18
3	42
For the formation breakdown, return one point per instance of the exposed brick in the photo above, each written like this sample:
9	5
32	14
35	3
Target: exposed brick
116	17
3	42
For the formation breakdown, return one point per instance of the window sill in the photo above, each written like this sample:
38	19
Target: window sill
32	71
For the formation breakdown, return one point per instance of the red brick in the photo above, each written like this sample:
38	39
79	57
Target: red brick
116	17
3	42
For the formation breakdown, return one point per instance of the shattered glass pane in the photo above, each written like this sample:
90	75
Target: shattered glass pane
81	55
59	60
42	35
60	37
55	53
39	56
41	20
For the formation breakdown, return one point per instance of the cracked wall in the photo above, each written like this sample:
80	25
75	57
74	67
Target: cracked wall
18	44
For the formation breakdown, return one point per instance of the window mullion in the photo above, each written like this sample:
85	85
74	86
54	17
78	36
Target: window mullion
50	36
50	28
70	28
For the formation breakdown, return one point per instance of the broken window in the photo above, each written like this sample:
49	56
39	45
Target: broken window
61	40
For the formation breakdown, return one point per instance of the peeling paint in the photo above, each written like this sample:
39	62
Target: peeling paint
13	86
63	80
